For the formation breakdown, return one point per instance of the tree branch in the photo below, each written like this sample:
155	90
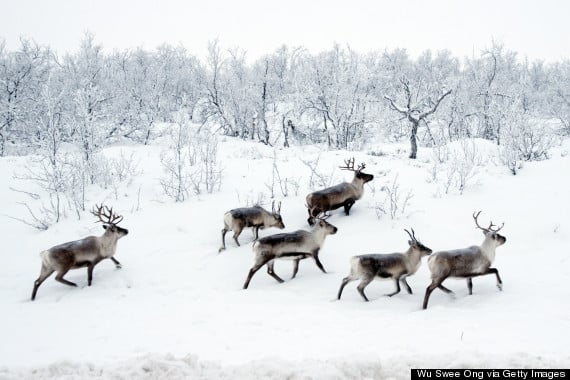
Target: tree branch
434	108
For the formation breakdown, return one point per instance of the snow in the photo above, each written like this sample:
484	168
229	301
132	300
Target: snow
176	309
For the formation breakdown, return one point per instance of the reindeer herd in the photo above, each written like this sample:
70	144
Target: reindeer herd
465	263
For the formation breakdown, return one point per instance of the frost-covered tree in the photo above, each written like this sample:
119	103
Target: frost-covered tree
338	96
22	75
558	94
415	111
214	105
89	96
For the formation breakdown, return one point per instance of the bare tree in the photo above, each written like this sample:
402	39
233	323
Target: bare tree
415	113
22	75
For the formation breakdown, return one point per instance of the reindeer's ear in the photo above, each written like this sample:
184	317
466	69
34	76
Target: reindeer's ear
410	242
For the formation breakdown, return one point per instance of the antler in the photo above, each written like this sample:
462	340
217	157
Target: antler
491	225
496	230
273	208
412	235
112	218
349	165
322	216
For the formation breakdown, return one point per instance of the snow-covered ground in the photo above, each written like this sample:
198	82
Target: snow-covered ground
177	309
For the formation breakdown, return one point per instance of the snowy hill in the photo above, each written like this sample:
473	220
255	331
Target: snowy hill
177	309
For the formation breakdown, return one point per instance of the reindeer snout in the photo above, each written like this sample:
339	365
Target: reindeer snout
334	230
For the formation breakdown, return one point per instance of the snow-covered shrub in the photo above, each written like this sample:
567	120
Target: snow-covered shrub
177	161
251	198
285	185
395	201
190	162
510	158
117	172
60	189
316	178
206	173
524	140
455	169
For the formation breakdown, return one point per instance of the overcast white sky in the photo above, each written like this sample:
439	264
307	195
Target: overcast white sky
534	28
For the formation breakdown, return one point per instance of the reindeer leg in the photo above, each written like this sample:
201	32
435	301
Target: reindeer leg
44	274
312	214
403	280
470	285
256	232
272	273
90	271
496	272
295	268
258	264
488	271
434	284
345	281
397	282
117	263
310	218
60	278
363	284
348	205
236	235
318	262
224	231
443	288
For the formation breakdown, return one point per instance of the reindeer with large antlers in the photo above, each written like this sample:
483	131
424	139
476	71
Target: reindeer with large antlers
342	195
83	253
466	262
397	266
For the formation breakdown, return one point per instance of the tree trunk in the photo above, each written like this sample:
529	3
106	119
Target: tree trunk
285	132
2	144
413	139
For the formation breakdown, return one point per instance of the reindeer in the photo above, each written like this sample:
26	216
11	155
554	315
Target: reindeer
257	217
466	262
397	266
294	246
86	252
341	195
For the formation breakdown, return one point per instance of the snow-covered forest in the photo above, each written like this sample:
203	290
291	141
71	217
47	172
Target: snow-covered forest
172	141
68	108
338	97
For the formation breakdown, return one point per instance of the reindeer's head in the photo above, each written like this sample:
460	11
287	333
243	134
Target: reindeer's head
111	221
349	165
277	215
417	245
321	223
490	232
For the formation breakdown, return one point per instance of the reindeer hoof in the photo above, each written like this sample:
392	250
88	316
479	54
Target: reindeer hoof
118	266
500	286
